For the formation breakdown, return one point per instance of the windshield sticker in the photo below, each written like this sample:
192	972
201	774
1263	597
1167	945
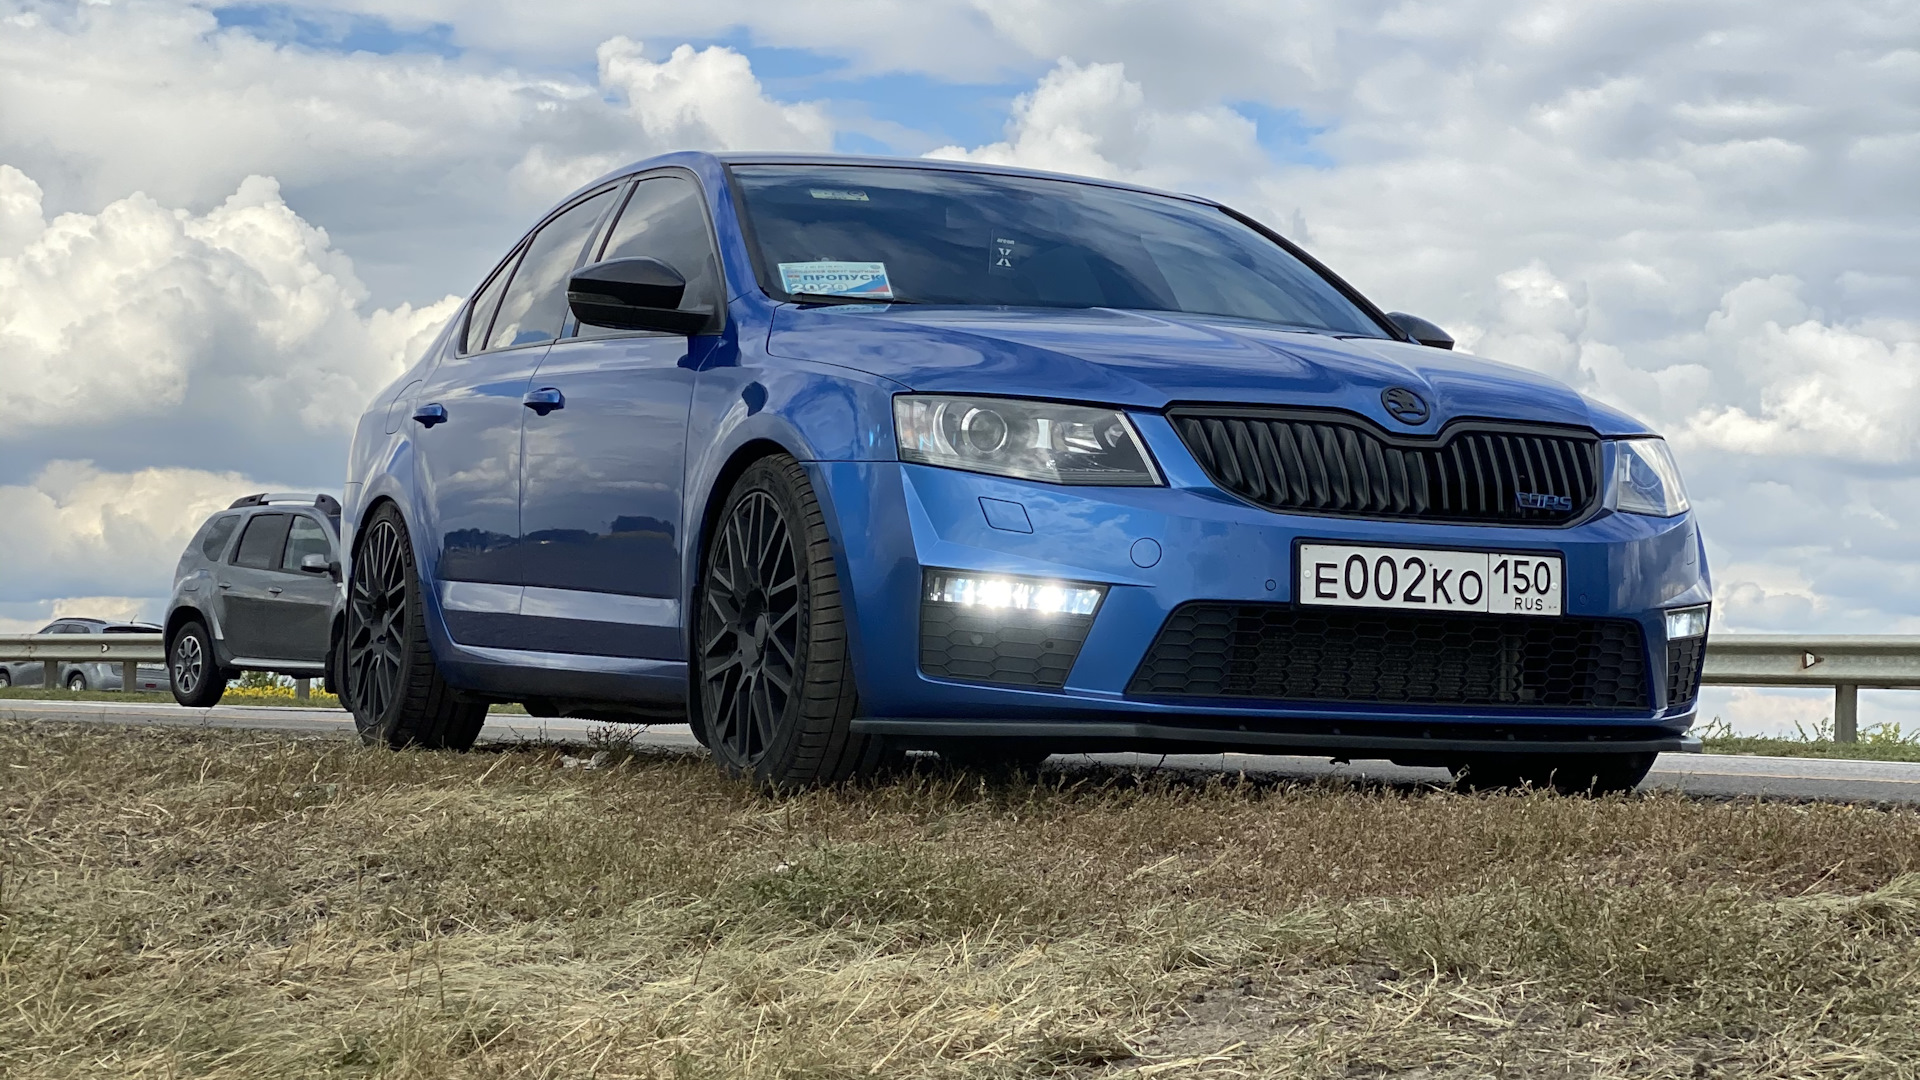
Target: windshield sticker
839	194
1002	254
837	279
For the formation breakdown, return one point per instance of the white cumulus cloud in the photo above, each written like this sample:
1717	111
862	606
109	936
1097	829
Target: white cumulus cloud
143	312
76	530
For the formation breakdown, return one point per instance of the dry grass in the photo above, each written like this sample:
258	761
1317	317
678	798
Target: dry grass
224	905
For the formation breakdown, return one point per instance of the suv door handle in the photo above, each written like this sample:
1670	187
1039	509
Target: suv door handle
544	400
274	589
429	415
226	584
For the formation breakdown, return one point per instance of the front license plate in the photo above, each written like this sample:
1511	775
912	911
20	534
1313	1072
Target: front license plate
1420	579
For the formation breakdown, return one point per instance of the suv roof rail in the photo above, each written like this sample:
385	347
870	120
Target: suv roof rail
328	504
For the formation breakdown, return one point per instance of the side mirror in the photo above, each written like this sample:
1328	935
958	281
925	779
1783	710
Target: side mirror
633	294
320	564
1421	330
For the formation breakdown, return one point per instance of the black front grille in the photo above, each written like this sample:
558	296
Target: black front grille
1684	661
1335	463
1281	653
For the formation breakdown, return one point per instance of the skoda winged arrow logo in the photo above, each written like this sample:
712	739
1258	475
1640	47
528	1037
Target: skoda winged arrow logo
1404	405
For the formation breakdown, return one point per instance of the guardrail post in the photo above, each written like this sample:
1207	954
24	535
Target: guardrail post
302	688
50	674
1846	713
129	676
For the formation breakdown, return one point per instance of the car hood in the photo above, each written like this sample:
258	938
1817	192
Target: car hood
1155	359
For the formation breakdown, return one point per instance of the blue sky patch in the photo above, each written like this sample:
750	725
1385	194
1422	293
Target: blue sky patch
330	31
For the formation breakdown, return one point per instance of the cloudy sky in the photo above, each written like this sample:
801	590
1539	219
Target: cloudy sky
223	227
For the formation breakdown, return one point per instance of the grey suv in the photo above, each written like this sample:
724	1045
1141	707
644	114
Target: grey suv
83	675
258	589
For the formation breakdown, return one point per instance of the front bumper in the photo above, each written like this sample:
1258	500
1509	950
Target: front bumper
892	520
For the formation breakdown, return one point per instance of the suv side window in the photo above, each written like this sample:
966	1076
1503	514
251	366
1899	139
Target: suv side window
261	544
304	539
215	542
535	304
484	303
666	219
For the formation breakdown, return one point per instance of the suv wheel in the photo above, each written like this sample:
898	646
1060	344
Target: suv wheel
6	677
198	683
77	682
392	685
774	685
1569	774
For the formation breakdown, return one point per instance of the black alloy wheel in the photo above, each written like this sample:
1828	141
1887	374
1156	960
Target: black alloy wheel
392	685
750	627
774	684
1568	774
197	681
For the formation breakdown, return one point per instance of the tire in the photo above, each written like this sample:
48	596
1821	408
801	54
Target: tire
6	678
77	682
770	614
1568	774
197	681
392	685
335	681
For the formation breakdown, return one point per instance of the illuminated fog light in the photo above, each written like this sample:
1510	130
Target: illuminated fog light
1687	622
1014	594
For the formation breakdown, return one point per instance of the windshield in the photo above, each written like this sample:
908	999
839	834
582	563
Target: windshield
926	236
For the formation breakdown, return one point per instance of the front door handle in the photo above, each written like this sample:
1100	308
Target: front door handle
226	585
544	400
429	415
274	589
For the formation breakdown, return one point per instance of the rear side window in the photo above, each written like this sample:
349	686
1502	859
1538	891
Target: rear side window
304	539
484	305
666	219
535	305
218	533
261	544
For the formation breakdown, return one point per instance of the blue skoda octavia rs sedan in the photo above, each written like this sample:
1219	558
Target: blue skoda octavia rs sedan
838	457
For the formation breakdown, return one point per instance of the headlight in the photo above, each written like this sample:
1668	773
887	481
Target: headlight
1033	440
1646	481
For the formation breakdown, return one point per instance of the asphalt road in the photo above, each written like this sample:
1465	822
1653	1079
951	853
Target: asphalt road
1711	775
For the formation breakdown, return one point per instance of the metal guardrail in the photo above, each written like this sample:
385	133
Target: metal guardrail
130	650
1844	662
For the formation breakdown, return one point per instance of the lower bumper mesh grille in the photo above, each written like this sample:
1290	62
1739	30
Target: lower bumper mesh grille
1281	653
999	646
1685	658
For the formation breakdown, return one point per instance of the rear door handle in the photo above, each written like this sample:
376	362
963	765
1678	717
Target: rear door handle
226	585
429	415
544	400
274	589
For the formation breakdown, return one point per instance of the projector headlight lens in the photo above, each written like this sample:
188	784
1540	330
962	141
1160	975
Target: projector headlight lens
1031	440
1034	595
1687	622
1646	481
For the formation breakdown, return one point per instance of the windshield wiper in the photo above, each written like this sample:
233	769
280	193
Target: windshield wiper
843	298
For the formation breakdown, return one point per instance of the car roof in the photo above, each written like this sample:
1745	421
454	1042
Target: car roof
688	158
938	165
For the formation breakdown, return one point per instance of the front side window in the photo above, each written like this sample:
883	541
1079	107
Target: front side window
535	304
666	219
218	533
931	236
261	544
305	538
